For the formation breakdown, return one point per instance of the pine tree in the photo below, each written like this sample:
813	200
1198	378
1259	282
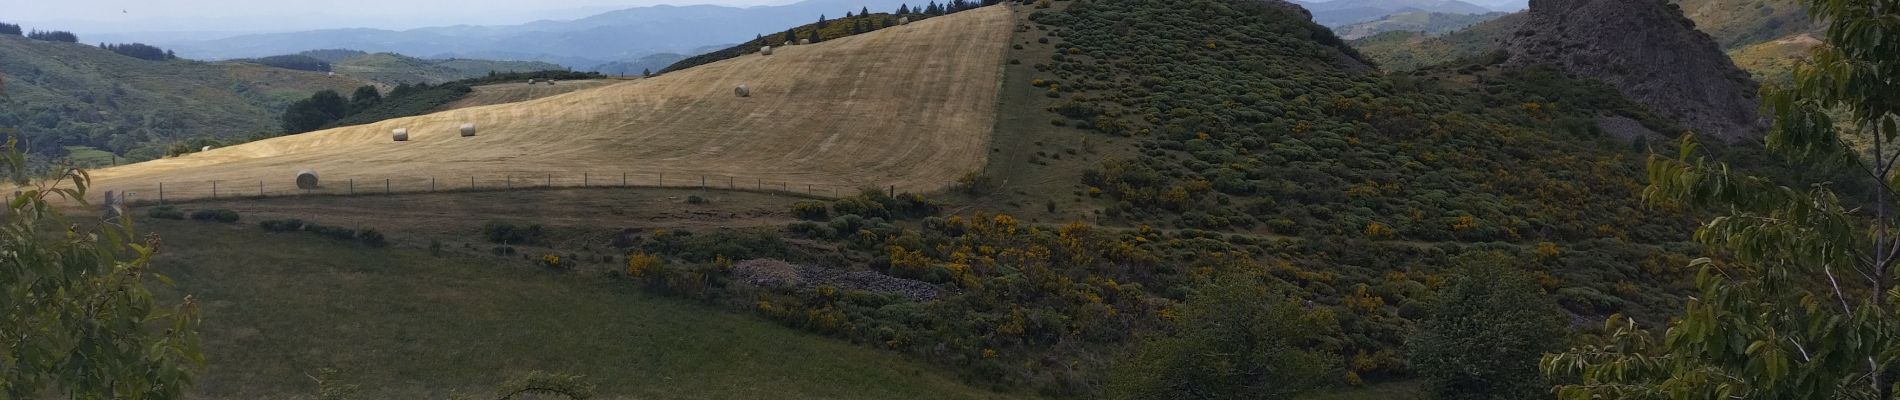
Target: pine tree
814	36
821	22
790	37
864	11
646	72
903	9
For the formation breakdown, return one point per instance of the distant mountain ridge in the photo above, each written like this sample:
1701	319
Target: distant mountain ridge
581	43
1338	13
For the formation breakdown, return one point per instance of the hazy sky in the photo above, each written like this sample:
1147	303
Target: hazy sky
211	15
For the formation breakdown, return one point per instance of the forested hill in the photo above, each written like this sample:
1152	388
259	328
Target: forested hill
63	94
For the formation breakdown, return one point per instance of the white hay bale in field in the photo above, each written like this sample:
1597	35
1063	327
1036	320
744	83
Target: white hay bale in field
532	81
804	41
206	148
306	179
788	43
400	134
766	50
903	21
468	130
742	91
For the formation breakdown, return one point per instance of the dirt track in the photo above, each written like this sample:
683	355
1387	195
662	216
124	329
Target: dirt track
909	106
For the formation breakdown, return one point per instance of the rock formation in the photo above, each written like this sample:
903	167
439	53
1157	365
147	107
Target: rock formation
1651	54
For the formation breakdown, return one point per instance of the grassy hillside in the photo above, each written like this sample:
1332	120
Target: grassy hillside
1430	23
839	114
1740	23
1773	62
392	69
403	323
66	94
1406	51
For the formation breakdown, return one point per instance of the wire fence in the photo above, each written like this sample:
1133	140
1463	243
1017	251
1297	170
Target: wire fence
186	191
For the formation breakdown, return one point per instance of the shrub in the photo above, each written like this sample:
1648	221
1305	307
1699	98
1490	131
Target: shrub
695	199
165	212
372	238
281	225
506	233
215	214
333	232
811	210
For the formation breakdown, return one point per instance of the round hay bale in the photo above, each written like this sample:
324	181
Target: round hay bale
788	43
804	41
903	21
206	148
742	91
400	134
766	50
532	81
306	179
468	130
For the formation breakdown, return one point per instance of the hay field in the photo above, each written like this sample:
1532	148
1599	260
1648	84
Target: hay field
504	93
909	106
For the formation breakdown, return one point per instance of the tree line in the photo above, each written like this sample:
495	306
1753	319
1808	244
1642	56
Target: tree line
140	51
10	29
53	36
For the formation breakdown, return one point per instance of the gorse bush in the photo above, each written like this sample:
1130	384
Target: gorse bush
373	238
507	233
165	212
215	214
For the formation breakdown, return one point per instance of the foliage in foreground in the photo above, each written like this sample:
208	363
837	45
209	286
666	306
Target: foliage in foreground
78	317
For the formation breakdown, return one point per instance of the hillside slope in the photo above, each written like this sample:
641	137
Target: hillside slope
1433	23
395	69
66	94
504	93
910	106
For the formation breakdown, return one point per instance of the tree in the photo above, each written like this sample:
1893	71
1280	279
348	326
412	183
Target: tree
365	97
1234	341
790	37
10	29
864	11
903	9
821	22
1486	333
73	300
814	36
1804	308
646	72
320	109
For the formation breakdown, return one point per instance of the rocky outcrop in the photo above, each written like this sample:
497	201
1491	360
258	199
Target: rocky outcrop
1651	54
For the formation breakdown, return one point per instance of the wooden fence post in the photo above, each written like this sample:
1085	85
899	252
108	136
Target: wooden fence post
583	179
260	188
550	179
214	189
385	185
161	192
432	184
352	185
